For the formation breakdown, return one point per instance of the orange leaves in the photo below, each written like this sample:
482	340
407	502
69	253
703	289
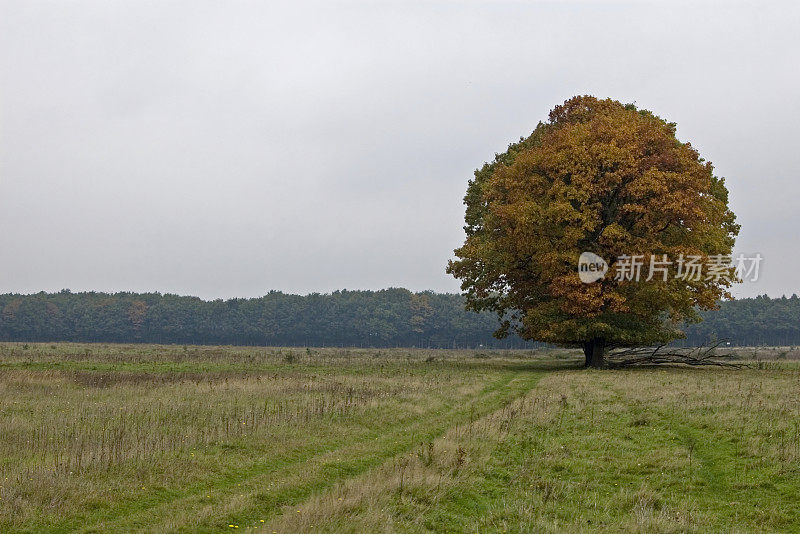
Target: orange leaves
598	177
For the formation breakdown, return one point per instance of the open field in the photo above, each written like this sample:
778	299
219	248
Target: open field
171	438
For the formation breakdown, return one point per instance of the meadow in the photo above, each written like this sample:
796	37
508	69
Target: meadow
110	438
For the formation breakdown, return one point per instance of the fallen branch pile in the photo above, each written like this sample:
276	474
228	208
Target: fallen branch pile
658	356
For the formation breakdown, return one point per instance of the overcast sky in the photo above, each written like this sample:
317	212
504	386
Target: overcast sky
226	148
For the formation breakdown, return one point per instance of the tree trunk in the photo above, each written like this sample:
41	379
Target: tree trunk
595	351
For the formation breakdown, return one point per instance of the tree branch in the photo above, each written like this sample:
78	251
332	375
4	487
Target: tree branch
704	355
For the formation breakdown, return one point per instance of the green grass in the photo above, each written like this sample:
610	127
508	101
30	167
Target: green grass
99	438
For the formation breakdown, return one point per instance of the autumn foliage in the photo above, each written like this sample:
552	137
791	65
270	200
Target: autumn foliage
602	177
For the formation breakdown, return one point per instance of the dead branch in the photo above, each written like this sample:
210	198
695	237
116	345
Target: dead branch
697	356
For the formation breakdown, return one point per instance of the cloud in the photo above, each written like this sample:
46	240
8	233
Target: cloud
223	149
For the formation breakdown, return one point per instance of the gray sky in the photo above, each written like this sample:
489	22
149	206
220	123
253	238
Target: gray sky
223	149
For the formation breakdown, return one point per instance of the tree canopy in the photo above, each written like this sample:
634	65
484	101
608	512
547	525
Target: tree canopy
599	177
389	318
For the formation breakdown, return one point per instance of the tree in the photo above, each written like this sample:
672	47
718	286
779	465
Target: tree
599	177
386	318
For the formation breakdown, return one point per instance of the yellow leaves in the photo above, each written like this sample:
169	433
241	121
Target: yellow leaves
576	298
599	177
614	236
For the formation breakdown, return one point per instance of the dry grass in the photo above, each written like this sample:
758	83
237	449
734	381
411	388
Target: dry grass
150	438
127	437
658	450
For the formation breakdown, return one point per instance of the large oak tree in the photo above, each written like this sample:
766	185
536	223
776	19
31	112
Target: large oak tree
599	177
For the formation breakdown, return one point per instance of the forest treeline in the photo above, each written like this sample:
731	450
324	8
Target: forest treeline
386	318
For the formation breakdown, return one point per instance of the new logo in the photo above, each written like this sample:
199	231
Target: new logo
591	267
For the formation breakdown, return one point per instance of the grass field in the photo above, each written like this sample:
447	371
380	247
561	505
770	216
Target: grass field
97	438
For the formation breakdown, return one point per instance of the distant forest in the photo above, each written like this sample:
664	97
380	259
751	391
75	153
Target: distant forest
386	318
